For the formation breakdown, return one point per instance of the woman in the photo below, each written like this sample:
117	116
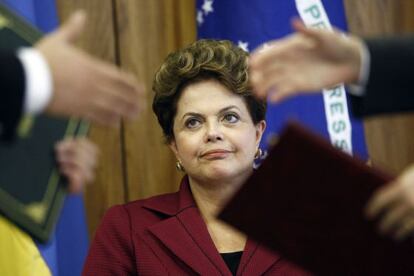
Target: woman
213	125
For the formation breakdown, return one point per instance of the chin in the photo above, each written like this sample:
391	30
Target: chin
220	173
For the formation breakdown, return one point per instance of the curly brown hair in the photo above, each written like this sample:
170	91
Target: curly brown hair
202	60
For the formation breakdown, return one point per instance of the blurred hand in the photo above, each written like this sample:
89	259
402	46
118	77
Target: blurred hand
306	61
395	205
83	86
77	159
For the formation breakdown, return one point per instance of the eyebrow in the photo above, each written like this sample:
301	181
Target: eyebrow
220	111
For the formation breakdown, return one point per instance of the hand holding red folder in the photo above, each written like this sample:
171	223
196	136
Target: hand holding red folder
307	202
395	202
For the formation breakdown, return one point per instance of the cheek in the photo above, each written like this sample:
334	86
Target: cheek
187	147
251	149
246	143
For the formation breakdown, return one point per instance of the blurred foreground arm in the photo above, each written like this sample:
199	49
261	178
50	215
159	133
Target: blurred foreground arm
83	86
311	60
306	61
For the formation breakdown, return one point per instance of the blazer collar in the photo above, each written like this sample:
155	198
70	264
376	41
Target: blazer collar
191	241
175	203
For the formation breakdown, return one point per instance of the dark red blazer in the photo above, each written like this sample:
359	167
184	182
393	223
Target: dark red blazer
166	235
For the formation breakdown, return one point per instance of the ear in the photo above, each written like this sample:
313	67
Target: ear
173	147
260	128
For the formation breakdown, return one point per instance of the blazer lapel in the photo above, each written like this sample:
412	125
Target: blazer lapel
186	236
196	228
174	236
256	259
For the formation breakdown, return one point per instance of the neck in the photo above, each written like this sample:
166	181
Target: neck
211	196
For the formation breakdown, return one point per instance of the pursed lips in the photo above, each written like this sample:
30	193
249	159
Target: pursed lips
215	154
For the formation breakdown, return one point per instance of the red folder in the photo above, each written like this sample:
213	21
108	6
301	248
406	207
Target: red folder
307	201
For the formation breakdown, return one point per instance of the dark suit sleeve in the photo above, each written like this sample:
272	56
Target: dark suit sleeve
12	86
111	252
389	88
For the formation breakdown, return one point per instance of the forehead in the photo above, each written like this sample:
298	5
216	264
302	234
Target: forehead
208	96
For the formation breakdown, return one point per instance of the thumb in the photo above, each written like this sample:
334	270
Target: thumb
73	27
298	26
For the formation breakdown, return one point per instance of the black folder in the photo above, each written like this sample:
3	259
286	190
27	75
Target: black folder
31	190
306	201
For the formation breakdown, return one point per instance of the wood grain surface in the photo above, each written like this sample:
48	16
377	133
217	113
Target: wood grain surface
136	35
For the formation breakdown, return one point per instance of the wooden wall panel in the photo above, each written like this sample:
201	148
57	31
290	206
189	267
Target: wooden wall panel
136	35
98	39
406	16
389	138
148	31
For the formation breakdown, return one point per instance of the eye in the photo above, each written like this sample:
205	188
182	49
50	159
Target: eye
231	118
192	123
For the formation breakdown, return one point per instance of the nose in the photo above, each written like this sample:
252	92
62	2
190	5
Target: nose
214	132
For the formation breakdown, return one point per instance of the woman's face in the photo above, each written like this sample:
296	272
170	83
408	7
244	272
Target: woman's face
214	135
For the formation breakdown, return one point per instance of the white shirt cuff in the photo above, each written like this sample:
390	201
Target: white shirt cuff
359	88
39	82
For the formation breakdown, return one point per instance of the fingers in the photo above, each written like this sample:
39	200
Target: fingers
271	67
278	87
382	199
127	92
73	27
74	177
77	150
392	218
104	118
84	86
394	204
265	55
265	78
397	221
405	229
264	70
77	160
315	35
300	27
110	107
112	95
281	93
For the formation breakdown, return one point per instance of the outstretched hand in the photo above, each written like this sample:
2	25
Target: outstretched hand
83	86
306	61
394	204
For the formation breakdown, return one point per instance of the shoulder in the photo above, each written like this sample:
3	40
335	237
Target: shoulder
162	203
141	213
